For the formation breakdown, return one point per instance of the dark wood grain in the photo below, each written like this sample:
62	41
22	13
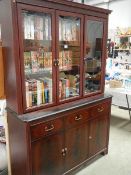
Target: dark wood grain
76	142
56	138
97	134
19	142
8	17
46	128
47	158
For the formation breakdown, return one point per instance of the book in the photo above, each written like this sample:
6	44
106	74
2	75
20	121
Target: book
27	62
49	28
64	88
39	93
60	89
27	94
28	23
41	61
34	61
48	85
34	92
46	27
38	31
43	92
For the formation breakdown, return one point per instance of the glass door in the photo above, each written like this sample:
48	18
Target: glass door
37	56
93	56
69	56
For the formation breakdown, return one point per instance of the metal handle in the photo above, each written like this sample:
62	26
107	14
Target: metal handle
49	129
63	151
100	109
90	137
56	62
77	118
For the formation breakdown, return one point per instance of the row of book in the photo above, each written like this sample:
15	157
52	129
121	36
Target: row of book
68	88
69	29
37	26
37	61
38	92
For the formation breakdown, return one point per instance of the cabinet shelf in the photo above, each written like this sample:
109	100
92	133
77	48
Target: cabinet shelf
123	49
71	68
40	72
36	45
70	43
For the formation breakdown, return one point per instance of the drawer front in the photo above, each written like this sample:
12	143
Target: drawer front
76	118
46	128
100	109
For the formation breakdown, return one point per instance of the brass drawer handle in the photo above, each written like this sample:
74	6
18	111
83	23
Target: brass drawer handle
100	109
77	118
49	129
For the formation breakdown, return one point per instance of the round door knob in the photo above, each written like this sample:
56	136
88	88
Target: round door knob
90	137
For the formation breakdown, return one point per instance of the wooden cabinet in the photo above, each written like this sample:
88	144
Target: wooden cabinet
98	134
58	115
76	141
98	128
62	143
56	55
63	140
47	155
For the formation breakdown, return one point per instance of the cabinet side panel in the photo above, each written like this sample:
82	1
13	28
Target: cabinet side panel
9	35
18	143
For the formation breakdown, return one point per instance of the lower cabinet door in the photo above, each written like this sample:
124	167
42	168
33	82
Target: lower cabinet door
76	141
98	134
47	158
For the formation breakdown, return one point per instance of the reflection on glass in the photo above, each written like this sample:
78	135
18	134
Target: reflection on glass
93	56
69	57
37	58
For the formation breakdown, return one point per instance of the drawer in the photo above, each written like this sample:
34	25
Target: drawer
100	109
46	128
76	118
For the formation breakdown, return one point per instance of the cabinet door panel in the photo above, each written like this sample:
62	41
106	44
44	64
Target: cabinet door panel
47	158
98	134
76	141
69	55
37	53
93	55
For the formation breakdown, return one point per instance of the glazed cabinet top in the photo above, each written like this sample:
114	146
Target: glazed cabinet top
58	53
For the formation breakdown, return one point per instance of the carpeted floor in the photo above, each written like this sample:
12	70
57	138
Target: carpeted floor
118	160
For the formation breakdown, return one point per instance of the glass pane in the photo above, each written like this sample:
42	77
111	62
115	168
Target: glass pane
69	57
37	58
93	56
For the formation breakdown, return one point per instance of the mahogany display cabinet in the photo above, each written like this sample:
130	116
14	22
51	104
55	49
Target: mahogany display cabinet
55	55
